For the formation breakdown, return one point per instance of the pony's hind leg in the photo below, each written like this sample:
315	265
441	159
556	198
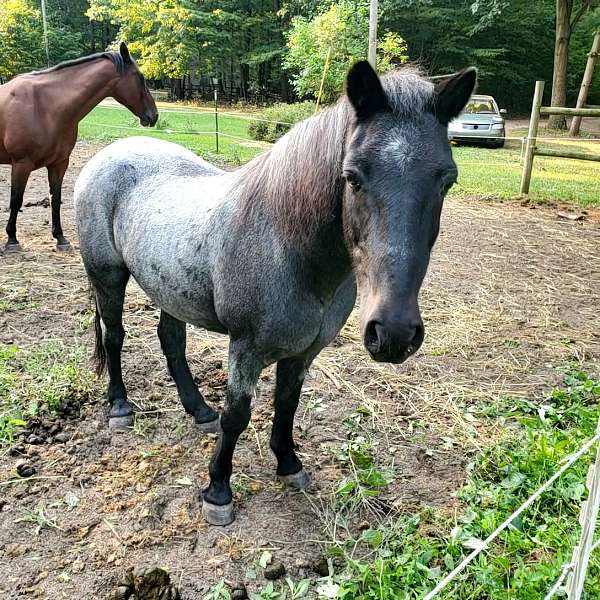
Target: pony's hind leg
18	182
109	343
290	377
56	174
171	332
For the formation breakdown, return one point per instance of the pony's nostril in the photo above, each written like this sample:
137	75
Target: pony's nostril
372	340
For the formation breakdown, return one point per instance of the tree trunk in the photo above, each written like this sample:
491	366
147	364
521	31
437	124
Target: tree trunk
564	9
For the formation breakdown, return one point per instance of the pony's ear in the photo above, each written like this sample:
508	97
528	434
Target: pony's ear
364	90
452	94
124	50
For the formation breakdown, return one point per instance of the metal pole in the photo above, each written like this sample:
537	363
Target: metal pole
217	119
373	34
533	128
586	82
45	25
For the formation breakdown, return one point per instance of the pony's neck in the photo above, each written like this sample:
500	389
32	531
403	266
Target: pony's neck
82	87
298	186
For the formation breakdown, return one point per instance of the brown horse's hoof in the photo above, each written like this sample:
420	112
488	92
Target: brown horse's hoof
120	422
218	515
64	247
12	247
210	426
298	481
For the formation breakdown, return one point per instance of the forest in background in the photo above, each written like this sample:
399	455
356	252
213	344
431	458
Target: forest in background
510	41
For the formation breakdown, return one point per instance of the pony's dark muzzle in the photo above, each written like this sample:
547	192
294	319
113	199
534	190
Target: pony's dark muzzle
393	341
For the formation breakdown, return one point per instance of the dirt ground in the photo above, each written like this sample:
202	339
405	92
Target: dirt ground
512	293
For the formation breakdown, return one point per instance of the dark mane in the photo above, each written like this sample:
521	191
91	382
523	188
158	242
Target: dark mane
114	57
298	181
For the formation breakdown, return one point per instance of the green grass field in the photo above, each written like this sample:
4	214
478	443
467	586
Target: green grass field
106	124
490	174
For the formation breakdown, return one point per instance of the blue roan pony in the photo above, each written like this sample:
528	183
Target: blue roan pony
271	254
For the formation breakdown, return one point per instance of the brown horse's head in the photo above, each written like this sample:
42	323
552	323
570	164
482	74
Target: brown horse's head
131	91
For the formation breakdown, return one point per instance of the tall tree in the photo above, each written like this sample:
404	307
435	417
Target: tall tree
568	15
321	49
21	32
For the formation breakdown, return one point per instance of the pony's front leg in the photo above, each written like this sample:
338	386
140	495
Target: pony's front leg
290	377
244	369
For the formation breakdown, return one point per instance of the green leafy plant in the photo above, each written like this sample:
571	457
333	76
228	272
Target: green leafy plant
279	119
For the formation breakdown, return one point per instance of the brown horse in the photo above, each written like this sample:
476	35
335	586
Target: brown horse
40	114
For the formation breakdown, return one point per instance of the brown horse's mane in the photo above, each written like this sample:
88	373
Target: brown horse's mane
298	182
114	57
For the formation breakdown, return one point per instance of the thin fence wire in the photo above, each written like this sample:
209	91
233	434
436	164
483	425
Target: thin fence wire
207	111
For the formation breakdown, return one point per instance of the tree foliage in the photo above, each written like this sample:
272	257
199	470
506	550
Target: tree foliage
21	32
258	47
323	48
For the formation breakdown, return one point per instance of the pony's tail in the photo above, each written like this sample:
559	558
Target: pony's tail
99	351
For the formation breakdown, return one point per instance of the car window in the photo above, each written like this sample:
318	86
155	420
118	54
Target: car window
479	107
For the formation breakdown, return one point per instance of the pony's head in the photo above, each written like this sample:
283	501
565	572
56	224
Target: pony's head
131	90
397	168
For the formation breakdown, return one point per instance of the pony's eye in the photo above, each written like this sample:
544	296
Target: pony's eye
353	181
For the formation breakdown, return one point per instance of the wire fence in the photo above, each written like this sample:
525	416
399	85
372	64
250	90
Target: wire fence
252	118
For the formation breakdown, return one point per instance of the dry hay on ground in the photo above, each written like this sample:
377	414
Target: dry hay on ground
512	293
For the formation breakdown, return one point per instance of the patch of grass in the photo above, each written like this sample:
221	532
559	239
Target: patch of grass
40	379
489	173
15	299
409	556
497	174
39	518
193	131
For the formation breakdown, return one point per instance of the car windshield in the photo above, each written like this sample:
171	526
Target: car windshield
480	107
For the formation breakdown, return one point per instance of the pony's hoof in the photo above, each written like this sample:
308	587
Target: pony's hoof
64	247
12	247
120	422
210	426
218	515
298	481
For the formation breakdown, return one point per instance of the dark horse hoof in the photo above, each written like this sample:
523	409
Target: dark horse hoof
213	426
13	247
66	247
120	422
298	481
218	515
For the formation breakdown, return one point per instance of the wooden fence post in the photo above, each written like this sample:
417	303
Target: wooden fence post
587	520
533	129
586	82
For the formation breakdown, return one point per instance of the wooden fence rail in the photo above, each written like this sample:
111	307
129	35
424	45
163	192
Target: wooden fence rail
531	150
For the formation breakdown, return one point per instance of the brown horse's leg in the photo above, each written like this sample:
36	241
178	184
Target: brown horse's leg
18	182
56	173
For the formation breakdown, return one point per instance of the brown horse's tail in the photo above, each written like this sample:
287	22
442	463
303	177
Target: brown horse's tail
99	351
